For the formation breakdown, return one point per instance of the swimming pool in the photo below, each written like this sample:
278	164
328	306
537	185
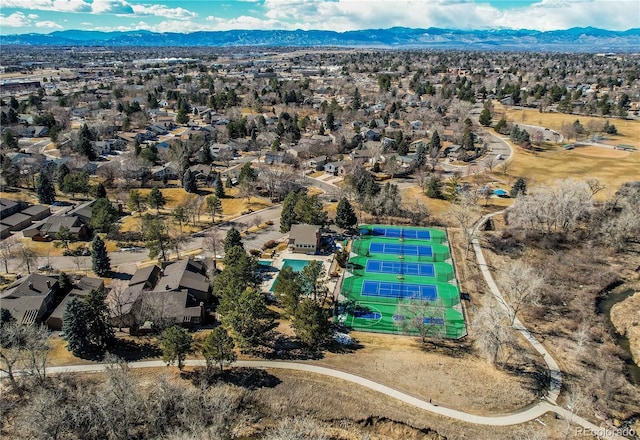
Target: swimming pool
296	265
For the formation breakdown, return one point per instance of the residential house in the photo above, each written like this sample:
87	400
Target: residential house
274	157
336	168
48	228
159	296
10	207
37	212
361	155
202	172
304	239
30	300
186	275
168	169
16	222
80	290
416	125
316	162
35	131
370	134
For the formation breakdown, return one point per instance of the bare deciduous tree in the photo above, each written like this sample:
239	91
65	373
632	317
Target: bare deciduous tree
24	348
491	331
466	212
7	253
521	285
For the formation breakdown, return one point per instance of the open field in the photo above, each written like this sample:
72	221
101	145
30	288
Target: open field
450	377
628	130
549	166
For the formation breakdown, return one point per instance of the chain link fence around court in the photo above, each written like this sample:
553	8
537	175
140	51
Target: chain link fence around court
399	281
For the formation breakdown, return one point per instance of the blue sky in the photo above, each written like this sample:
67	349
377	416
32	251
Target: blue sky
44	16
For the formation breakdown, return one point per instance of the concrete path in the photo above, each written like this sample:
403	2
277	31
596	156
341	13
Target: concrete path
510	419
555	375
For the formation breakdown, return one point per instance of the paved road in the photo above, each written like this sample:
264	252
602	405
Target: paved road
515	418
127	261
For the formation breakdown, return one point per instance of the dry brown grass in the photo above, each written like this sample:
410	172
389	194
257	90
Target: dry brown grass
437	207
549	166
628	129
625	316
380	417
458	380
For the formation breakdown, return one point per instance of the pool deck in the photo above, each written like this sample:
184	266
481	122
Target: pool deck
278	262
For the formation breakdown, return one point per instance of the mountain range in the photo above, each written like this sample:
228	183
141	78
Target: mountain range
587	39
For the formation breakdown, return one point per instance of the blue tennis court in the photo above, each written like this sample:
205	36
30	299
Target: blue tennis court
401	233
400	249
367	315
400	268
399	290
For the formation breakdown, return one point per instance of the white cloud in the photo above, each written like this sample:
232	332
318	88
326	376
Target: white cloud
163	11
48	25
17	19
111	7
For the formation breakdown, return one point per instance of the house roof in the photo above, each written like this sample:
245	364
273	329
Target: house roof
303	234
145	274
15	219
23	309
121	303
183	274
36	210
53	224
179	305
32	285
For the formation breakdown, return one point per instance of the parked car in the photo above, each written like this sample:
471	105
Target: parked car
47	267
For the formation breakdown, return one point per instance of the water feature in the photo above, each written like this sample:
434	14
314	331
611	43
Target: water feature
604	305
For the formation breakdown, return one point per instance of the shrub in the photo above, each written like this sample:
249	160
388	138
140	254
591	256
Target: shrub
270	244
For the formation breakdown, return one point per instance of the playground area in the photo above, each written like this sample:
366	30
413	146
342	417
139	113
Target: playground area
400	280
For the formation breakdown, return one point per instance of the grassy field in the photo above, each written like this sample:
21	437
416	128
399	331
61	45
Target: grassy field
628	130
579	163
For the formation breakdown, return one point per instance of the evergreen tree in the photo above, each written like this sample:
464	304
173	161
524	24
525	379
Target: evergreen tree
434	188
136	201
214	206
288	289
357	100
345	216
189	182
99	191
100	261
519	188
99	331
156	237
218	348
45	189
155	199
75	327
232	239
219	189
247	316
61	173
435	141
103	215
421	154
182	117
485	117
9	141
64	282
176	344
85	137
311	324
501	126
247	174
288	215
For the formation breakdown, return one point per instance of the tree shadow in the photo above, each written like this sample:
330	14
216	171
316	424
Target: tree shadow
248	378
132	351
121	276
449	347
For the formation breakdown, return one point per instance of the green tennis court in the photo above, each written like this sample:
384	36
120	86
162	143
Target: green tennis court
401	281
